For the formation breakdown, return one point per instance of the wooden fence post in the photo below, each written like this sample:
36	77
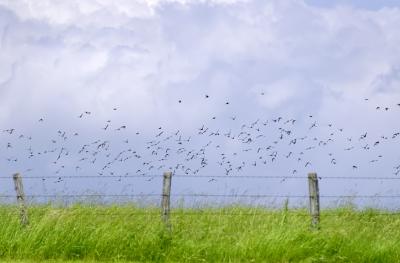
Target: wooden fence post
19	189
166	199
314	199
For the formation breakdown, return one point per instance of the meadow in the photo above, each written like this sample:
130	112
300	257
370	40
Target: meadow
127	233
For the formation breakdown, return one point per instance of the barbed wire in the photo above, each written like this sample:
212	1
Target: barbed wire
83	195
290	177
208	176
201	213
200	195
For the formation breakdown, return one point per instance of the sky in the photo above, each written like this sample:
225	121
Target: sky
202	88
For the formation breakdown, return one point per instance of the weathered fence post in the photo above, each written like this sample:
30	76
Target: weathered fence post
166	199
19	189
314	199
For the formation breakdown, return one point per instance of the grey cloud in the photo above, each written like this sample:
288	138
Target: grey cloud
388	82
187	50
359	4
60	60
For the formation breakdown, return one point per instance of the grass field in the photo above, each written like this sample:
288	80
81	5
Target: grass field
233	234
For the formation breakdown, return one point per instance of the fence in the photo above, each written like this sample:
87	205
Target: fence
313	193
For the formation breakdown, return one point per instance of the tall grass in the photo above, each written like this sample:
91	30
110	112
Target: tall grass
232	234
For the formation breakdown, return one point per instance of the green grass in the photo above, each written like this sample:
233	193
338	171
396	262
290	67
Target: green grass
232	234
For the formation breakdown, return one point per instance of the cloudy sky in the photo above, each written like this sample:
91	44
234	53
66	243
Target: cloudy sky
218	65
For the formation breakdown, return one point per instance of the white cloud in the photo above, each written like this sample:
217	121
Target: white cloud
144	56
134	48
85	13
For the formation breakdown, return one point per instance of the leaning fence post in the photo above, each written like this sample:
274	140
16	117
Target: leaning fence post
19	189
166	198
314	199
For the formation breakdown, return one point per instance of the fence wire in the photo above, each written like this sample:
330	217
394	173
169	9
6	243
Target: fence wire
209	176
260	196
199	213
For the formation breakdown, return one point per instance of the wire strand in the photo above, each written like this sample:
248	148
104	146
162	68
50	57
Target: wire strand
203	195
199	213
207	176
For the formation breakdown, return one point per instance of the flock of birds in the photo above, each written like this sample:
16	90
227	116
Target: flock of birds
229	150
